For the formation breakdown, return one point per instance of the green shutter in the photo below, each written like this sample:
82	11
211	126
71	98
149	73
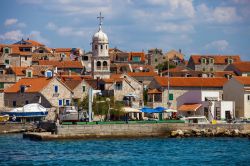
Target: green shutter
1	85
171	96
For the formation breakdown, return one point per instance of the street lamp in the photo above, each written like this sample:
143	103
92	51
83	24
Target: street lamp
108	101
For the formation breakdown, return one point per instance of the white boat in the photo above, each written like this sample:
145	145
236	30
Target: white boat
29	110
70	114
196	119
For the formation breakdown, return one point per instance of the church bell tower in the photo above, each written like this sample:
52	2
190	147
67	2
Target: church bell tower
100	61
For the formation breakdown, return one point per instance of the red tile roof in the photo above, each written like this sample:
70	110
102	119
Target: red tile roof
72	84
18	71
142	74
62	64
189	107
218	59
154	91
191	81
34	43
137	54
242	66
32	85
243	80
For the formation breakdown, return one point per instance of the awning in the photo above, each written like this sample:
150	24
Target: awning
161	109
170	110
130	110
189	107
151	110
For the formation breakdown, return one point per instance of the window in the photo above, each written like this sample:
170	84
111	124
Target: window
22	88
83	88
29	74
101	46
67	102
118	86
211	60
106	47
48	74
96	47
98	65
85	58
248	97
56	89
171	96
6	50
136	59
203	60
14	103
1	85
27	102
203	69
26	58
156	59
60	102
7	61
217	113
230	61
211	69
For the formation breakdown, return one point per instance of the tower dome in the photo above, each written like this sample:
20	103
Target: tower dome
100	36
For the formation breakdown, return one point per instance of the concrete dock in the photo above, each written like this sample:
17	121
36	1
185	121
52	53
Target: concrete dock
125	130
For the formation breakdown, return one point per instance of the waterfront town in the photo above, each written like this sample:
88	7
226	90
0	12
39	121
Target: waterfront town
111	85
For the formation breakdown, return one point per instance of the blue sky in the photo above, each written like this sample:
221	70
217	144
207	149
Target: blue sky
194	26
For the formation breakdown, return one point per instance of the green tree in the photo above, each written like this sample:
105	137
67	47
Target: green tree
101	105
164	66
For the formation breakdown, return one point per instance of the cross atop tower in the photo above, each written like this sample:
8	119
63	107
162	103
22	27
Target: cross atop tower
100	20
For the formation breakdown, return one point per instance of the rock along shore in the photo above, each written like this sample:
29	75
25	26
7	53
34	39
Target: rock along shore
218	132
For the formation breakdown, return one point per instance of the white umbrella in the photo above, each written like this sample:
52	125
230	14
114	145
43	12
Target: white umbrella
130	110
170	110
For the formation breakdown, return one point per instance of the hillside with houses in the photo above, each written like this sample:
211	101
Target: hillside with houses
215	86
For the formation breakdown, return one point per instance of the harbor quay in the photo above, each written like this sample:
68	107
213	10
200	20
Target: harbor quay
109	131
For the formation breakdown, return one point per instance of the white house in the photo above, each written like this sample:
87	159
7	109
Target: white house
238	89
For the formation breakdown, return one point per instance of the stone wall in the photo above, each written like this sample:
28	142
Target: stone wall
16	127
49	94
138	130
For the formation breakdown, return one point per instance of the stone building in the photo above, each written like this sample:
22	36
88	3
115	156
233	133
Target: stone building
210	63
178	86
175	57
78	85
49	92
182	71
238	89
155	57
240	68
122	85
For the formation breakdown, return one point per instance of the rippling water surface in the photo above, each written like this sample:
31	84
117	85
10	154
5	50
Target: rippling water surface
14	150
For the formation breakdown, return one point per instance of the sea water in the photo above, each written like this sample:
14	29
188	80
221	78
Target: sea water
14	150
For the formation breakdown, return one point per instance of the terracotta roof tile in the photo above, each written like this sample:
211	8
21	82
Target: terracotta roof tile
242	66
72	84
18	71
32	85
218	59
137	54
191	81
62	64
243	80
142	74
189	107
154	91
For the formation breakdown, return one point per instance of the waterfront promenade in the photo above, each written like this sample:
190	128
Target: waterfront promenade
136	130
